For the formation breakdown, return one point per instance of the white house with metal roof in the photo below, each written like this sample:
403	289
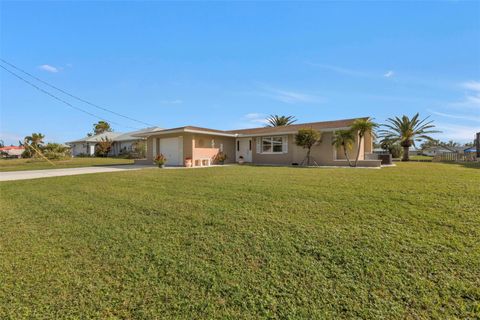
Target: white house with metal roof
122	142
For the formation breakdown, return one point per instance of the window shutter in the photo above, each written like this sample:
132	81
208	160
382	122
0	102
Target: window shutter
259	145
285	144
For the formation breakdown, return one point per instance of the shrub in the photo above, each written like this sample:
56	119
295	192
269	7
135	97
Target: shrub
307	138
221	157
160	160
55	151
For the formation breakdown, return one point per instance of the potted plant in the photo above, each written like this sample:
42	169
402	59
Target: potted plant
240	160
188	162
160	160
221	157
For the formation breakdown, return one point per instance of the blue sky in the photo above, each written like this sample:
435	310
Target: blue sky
228	65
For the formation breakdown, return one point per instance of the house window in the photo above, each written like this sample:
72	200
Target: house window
250	145
272	145
238	145
213	143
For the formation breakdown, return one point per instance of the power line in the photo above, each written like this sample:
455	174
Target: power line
61	100
73	96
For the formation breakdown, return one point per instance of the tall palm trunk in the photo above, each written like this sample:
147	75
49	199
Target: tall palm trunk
308	157
360	138
406	156
346	155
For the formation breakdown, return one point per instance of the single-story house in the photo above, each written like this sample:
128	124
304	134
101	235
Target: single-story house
12	151
470	150
436	150
262	146
121	142
477	143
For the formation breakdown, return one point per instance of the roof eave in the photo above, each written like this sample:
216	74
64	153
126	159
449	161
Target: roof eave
287	132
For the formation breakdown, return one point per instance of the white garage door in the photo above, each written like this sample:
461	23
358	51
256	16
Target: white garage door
172	149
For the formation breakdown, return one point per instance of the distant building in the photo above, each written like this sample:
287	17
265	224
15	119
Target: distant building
12	152
433	151
121	142
477	144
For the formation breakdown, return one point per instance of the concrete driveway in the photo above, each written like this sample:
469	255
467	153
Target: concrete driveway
35	174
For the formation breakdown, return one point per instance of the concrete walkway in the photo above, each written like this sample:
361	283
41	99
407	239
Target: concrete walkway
35	174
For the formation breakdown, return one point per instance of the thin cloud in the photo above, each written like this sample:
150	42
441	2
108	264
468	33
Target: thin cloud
289	96
341	70
471	85
176	101
472	97
389	74
256	118
455	116
462	133
48	68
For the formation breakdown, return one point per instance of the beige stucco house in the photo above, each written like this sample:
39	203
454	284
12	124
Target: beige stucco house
262	146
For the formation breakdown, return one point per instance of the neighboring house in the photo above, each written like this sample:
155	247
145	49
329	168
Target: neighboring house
266	145
477	144
12	151
121	142
435	150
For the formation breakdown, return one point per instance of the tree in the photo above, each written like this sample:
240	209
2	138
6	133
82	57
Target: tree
430	143
101	127
55	151
33	144
344	139
307	138
450	143
392	147
279	121
362	127
2	144
406	131
103	147
140	148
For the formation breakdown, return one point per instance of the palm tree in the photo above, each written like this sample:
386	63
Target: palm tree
307	138
101	127
34	142
344	139
406	131
278	121
362	127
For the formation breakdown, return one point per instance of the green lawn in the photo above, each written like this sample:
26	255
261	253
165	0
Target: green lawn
243	242
421	157
38	164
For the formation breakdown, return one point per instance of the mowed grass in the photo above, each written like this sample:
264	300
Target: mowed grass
244	242
40	164
421	157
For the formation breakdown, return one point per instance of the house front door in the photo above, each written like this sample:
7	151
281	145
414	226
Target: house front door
244	149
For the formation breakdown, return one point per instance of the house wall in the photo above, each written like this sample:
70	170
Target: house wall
202	142
201	146
119	146
78	148
276	158
196	145
187	144
323	153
